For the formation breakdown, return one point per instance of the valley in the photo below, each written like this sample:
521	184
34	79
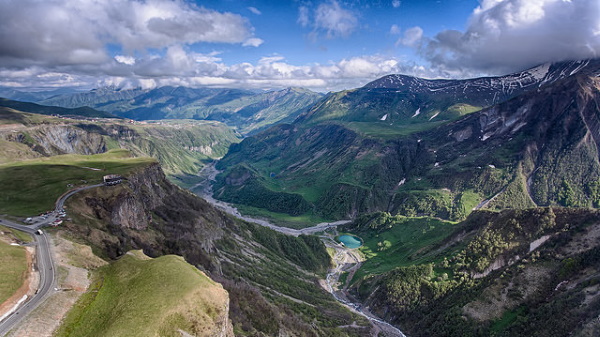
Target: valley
326	168
473	201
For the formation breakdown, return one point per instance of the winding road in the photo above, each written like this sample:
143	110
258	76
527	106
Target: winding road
44	262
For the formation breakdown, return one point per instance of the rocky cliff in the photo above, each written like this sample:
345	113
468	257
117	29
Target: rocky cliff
258	267
181	147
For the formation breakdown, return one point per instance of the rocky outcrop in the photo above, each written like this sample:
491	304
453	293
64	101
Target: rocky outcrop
147	212
67	139
49	140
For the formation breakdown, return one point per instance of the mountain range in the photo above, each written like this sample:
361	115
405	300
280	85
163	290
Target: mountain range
475	200
248	111
436	148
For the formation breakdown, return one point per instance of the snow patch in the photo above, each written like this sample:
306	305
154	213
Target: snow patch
402	182
540	72
485	137
492	166
384	117
434	116
416	113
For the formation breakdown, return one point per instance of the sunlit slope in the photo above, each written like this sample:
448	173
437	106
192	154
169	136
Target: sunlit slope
138	296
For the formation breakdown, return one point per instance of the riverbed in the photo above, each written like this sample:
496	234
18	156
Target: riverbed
344	257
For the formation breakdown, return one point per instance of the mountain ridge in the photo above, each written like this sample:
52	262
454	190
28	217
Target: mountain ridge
490	154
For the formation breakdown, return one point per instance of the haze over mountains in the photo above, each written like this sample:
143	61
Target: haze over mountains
246	110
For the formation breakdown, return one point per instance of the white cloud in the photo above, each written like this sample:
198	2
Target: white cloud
396	3
303	16
395	30
509	35
253	42
254	10
128	60
71	32
328	18
412	37
180	66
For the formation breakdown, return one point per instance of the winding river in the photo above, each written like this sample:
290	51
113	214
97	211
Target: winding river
344	258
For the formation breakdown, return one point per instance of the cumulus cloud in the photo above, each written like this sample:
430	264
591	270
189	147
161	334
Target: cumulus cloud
412	37
396	3
509	35
180	66
328	18
395	30
71	32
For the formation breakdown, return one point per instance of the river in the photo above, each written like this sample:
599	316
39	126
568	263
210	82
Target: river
344	258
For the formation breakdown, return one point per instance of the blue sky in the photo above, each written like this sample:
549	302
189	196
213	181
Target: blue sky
323	45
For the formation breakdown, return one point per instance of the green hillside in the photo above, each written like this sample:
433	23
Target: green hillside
32	186
181	146
537	149
149	297
495	274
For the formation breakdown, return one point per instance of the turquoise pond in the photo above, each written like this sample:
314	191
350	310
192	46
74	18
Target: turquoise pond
350	241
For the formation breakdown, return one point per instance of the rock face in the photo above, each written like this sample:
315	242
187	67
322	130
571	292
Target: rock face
66	139
254	264
180	147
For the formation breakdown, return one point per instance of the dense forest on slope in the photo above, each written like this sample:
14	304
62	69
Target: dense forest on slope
496	274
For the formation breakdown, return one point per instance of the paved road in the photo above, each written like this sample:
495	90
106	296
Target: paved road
45	264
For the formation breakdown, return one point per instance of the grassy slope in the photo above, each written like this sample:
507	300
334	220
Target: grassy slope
13	269
399	241
32	186
147	297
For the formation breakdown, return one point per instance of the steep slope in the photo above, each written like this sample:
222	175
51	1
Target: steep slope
539	148
181	146
398	102
139	296
244	110
528	272
266	274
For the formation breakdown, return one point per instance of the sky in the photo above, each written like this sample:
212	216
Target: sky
323	45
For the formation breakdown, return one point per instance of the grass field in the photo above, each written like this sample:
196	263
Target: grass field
138	296
13	269
32	186
401	244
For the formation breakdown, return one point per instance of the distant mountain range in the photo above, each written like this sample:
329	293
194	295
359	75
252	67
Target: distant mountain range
248	111
54	110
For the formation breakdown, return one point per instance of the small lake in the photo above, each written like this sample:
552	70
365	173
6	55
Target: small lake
350	241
